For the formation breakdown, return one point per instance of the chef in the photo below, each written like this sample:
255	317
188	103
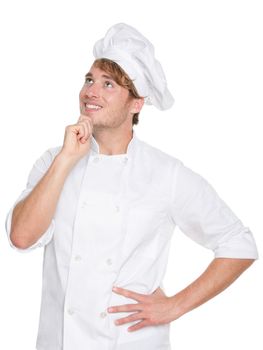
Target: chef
104	206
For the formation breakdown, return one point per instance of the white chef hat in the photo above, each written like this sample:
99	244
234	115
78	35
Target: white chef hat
134	53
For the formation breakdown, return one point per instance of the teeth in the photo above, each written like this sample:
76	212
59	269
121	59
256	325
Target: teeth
93	106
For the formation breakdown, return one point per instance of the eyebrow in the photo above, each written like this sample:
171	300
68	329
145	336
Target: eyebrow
103	76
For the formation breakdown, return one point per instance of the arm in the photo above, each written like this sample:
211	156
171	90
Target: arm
156	308
220	274
32	216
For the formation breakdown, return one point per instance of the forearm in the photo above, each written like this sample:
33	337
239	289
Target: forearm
32	216
218	276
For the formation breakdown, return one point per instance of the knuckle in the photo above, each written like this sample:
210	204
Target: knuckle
153	321
129	307
134	317
131	317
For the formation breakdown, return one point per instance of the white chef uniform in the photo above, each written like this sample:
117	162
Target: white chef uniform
112	226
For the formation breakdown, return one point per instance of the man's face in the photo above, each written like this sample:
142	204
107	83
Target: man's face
106	102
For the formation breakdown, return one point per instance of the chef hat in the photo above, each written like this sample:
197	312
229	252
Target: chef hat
134	53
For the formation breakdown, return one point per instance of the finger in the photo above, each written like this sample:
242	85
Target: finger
81	131
77	129
88	121
84	118
90	126
129	294
127	307
138	325
88	130
134	317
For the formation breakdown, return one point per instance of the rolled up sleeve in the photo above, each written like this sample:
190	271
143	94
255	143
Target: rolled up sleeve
37	172
203	216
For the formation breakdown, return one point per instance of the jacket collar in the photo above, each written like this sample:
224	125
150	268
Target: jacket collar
130	149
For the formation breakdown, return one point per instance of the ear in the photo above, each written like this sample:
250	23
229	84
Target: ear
137	105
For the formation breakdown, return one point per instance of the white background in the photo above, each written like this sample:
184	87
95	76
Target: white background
212	54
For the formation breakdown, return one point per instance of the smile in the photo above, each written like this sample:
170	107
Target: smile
93	107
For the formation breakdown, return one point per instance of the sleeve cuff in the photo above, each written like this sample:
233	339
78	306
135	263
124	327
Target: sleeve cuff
240	246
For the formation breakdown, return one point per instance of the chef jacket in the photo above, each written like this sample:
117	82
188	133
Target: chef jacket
112	226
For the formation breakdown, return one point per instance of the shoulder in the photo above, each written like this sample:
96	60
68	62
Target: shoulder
172	168
157	156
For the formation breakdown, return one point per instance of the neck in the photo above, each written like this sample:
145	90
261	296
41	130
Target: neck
113	143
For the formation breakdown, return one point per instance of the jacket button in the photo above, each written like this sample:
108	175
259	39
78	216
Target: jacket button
77	258
103	314
109	261
70	311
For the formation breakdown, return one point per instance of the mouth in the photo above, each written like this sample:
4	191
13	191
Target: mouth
92	107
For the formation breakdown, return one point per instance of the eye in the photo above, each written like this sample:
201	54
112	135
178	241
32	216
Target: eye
88	80
108	84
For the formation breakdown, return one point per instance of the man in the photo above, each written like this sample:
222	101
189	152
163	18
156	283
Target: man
105	205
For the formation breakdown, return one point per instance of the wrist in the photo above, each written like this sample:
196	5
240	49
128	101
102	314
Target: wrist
65	161
178	306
